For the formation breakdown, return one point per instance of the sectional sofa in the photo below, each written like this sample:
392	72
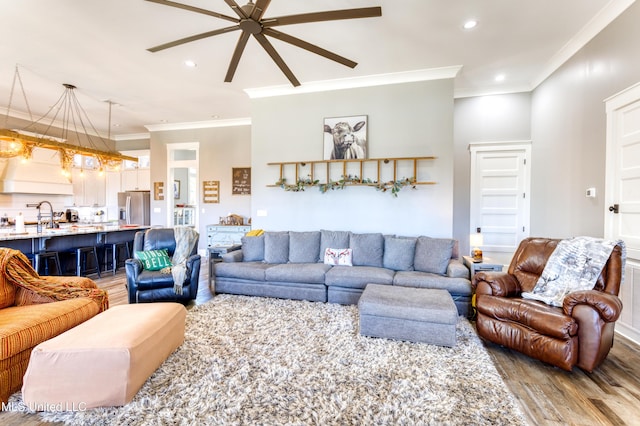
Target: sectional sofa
297	265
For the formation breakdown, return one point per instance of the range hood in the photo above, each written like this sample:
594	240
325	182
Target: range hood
32	177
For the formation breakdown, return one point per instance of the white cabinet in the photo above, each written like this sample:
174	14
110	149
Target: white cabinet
89	188
225	235
136	180
136	176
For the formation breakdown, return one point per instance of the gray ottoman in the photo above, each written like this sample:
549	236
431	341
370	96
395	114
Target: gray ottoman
405	313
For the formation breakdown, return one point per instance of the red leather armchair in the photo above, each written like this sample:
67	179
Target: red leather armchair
580	333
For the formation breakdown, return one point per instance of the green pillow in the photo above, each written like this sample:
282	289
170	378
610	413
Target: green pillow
153	260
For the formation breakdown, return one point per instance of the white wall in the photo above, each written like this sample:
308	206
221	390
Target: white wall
410	119
221	149
569	128
483	119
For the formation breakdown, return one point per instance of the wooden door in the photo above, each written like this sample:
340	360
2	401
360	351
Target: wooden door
622	199
500	195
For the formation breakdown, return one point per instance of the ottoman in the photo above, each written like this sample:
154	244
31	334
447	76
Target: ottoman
414	314
105	360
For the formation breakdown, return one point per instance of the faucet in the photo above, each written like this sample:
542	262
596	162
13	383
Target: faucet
51	223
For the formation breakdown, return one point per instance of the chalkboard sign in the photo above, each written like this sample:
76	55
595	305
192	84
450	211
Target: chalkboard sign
241	181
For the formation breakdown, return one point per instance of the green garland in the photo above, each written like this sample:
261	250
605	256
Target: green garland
393	186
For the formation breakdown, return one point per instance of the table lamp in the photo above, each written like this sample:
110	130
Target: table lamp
475	241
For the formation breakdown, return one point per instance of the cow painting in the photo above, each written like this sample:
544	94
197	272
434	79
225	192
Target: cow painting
349	142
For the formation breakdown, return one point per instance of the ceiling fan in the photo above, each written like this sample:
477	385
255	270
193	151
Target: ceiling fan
250	20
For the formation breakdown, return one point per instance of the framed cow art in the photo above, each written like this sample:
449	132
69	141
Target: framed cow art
345	138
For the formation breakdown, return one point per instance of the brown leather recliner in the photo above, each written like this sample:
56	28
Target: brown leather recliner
580	333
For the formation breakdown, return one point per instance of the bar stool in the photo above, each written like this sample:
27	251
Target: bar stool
115	249
43	258
82	253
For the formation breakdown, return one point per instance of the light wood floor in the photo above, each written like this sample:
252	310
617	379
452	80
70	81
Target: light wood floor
547	395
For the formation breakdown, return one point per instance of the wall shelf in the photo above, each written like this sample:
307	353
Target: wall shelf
353	172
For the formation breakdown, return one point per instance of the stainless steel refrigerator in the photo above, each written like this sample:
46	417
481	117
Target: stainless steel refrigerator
134	207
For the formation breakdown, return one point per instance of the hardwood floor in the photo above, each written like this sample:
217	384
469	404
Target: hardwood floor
547	395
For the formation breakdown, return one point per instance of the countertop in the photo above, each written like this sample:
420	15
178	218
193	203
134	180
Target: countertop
9	234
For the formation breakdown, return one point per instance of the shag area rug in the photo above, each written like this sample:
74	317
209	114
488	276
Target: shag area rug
262	361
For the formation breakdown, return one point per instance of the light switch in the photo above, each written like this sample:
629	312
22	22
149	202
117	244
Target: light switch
591	193
261	213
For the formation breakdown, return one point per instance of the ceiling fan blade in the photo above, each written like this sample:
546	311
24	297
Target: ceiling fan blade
237	53
308	46
193	38
276	58
259	9
236	8
194	9
332	15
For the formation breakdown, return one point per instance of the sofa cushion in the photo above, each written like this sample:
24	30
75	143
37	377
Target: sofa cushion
399	253
332	239
304	247
276	247
368	249
26	326
297	273
459	286
254	271
358	276
433	254
253	248
153	260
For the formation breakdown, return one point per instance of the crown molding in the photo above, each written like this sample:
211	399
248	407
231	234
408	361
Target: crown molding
607	14
355	82
199	124
131	137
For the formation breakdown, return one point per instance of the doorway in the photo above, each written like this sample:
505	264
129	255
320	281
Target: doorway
622	198
182	177
499	203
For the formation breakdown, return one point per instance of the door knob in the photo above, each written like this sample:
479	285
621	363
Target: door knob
614	208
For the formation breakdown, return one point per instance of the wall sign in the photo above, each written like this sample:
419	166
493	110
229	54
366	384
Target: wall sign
241	181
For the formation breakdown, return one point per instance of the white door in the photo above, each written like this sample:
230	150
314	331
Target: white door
622	200
500	196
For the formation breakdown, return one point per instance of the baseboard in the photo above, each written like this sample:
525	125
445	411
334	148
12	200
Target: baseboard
628	332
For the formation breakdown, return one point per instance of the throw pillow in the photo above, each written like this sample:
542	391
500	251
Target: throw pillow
433	254
399	253
252	249
333	239
276	247
153	260
304	247
367	249
338	257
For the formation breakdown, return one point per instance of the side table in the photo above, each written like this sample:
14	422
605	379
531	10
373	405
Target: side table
485	265
215	255
475	267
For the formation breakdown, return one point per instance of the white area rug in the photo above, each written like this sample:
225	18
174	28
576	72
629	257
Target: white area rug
252	360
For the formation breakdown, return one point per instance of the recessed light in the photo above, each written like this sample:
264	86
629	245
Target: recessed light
190	63
500	77
471	23
215	116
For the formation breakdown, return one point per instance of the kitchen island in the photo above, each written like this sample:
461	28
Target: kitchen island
68	237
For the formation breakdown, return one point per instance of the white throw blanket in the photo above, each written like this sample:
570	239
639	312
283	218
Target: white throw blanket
186	238
574	265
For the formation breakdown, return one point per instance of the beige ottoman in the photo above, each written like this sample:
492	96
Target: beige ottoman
103	361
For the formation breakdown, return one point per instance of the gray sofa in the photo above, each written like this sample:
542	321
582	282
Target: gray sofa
291	265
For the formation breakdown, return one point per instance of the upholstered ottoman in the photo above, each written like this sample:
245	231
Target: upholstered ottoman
103	361
405	313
